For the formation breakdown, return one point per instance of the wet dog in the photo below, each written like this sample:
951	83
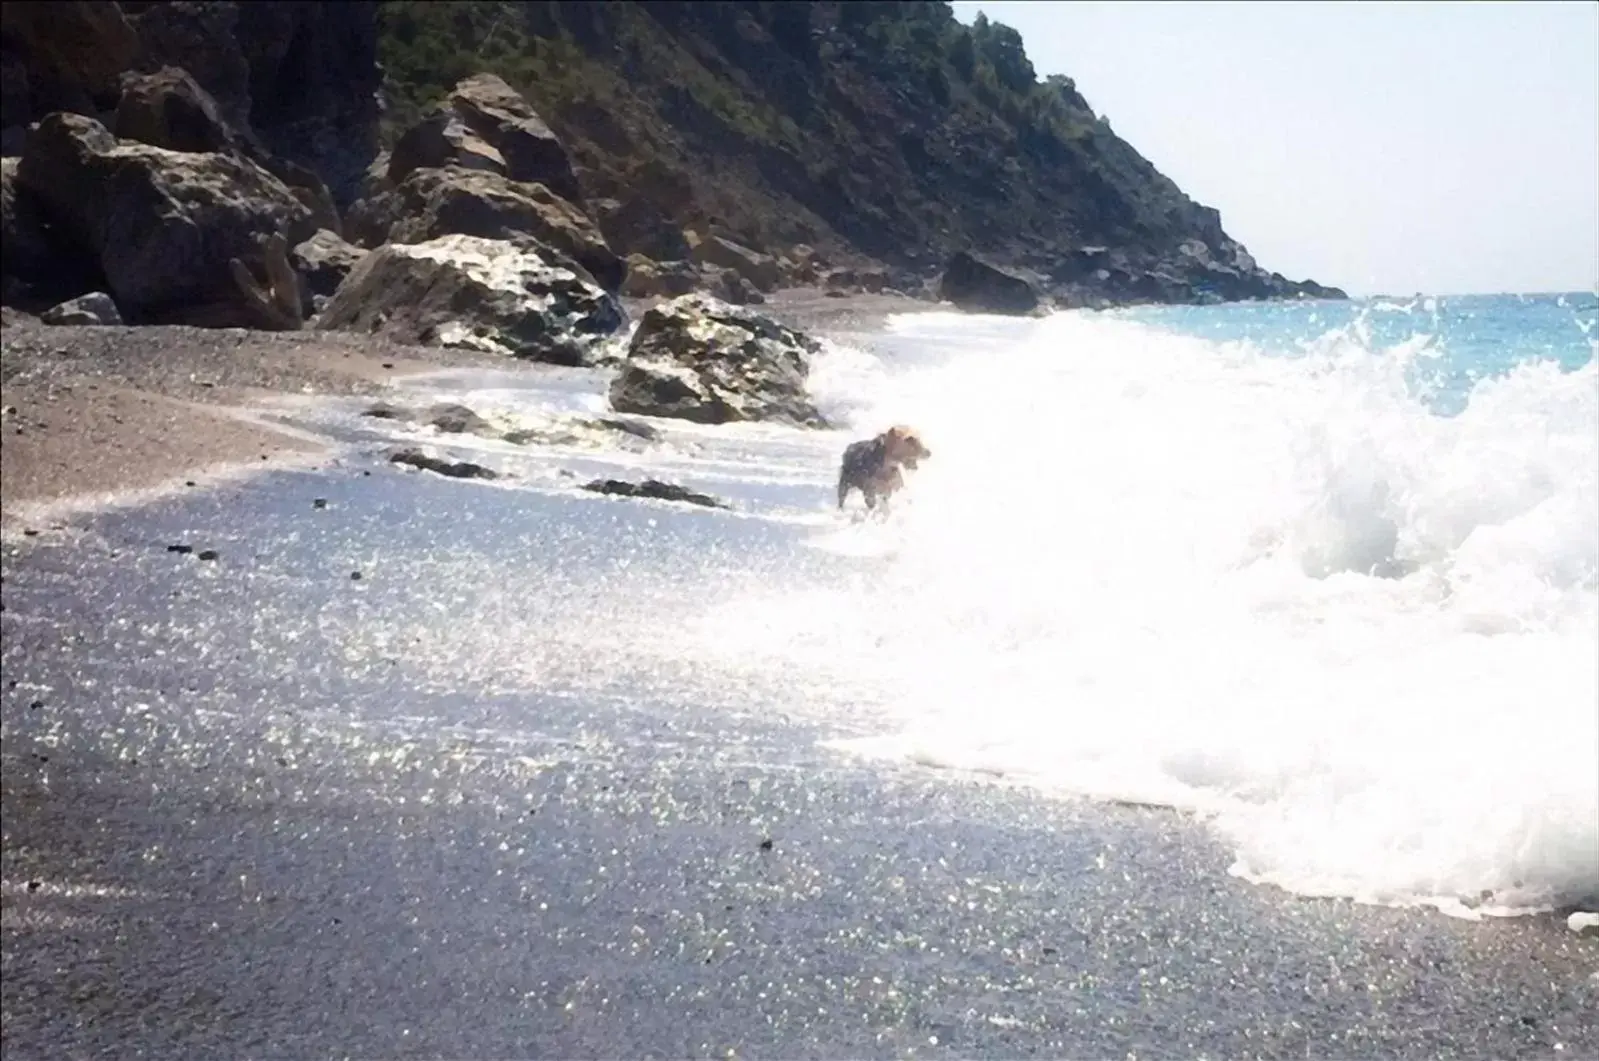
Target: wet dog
873	465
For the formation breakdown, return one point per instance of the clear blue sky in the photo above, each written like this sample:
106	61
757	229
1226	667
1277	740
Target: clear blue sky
1382	147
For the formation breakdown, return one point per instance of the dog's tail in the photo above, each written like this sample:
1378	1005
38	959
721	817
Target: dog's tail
843	488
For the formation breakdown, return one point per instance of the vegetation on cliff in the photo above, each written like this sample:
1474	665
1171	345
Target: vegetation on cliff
886	129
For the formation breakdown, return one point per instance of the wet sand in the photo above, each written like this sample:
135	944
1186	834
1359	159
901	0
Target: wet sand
86	410
254	806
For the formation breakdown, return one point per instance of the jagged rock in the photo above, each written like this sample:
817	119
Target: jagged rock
275	292
638	226
454	469
656	489
324	261
93	308
698	358
651	279
759	269
483	112
441	139
430	203
169	109
162	225
975	285
480	294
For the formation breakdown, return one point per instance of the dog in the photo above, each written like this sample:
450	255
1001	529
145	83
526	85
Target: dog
873	466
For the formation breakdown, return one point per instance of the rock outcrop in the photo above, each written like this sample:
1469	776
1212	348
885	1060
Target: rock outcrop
162	226
432	202
972	284
479	294
698	358
484	124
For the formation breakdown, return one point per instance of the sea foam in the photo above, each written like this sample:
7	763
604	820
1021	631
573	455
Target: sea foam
1285	592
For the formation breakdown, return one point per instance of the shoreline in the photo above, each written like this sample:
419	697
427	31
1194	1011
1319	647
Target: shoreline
97	415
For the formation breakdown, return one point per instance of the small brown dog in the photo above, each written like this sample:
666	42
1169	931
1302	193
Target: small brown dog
873	466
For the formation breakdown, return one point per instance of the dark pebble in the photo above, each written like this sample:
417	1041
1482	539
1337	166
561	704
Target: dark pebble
766	845
180	548
208	554
355	576
30	532
320	502
36	705
388	364
33	885
188	482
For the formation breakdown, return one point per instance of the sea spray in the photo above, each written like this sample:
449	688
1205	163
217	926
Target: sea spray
1337	589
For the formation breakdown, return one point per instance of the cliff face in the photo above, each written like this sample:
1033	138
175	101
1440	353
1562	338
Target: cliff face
880	130
875	133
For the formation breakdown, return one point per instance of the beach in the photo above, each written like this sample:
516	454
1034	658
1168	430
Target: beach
412	767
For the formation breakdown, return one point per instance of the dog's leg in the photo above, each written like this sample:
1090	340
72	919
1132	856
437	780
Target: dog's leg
843	491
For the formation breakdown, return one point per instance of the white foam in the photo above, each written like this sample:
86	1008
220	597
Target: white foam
1361	637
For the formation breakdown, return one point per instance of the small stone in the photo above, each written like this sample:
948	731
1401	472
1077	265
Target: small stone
33	885
355	576
35	705
766	845
207	554
182	549
320	502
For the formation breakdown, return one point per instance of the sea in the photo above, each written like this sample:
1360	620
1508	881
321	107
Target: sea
1322	577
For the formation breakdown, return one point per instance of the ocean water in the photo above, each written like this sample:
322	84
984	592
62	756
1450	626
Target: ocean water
1324	575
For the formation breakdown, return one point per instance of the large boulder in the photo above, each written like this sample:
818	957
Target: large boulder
430	203
977	286
698	358
484	112
164	226
759	269
301	78
168	108
441	139
479	294
324	261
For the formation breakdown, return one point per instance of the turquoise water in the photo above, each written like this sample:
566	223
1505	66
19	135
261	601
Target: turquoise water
1458	339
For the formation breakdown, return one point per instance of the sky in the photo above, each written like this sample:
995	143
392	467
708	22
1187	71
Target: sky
1386	148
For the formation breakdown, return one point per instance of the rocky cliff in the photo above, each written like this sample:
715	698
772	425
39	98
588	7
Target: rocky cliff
886	131
651	147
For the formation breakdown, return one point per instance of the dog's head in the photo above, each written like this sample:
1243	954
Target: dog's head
904	446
